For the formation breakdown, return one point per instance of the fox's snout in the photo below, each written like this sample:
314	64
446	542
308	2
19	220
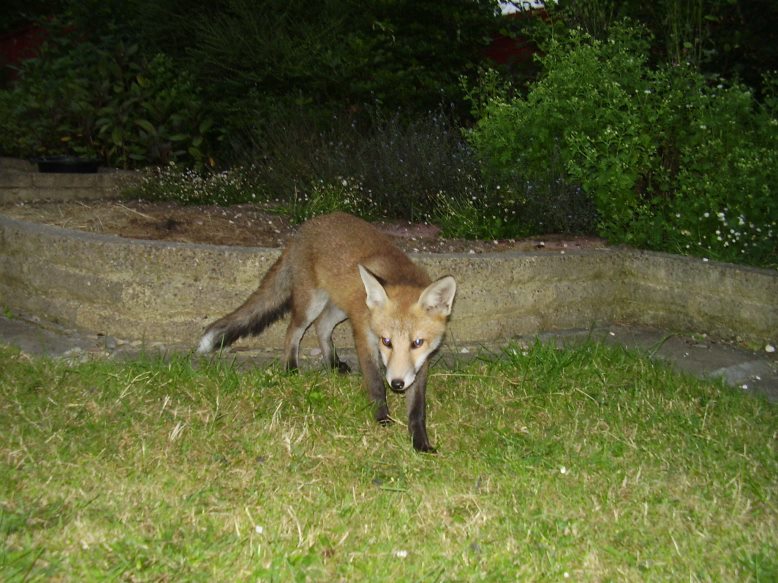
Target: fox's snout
401	369
397	385
401	366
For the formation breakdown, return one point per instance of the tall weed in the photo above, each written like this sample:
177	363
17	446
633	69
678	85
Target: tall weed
396	168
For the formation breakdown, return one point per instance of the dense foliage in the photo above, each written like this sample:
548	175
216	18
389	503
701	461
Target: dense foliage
101	96
406	54
729	38
660	135
136	82
670	161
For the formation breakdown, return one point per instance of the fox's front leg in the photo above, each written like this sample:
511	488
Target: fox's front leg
369	358
416	400
374	381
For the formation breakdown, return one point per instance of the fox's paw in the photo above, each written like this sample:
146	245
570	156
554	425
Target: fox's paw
424	448
381	414
421	442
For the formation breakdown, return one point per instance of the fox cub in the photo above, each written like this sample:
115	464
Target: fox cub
339	267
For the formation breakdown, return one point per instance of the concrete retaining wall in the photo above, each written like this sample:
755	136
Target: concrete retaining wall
168	291
20	181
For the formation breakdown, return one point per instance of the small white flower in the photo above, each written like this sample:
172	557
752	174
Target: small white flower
400	554
259	529
769	348
563	470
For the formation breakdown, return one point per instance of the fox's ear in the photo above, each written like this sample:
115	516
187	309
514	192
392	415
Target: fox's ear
439	296
376	294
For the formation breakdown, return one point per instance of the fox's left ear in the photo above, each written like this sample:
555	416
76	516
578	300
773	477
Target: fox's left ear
439	296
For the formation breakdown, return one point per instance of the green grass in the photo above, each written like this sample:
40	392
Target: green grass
588	463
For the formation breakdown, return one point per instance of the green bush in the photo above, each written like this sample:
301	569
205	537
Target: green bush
726	203
660	152
103	98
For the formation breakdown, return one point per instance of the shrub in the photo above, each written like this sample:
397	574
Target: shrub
725	205
103	98
652	148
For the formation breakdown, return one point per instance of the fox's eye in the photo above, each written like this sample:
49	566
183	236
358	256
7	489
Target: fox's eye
386	342
417	343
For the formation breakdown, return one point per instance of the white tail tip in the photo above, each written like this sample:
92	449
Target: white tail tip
206	343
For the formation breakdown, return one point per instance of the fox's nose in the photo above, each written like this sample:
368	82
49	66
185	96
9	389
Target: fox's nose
397	385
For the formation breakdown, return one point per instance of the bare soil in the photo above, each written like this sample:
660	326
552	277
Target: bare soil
249	226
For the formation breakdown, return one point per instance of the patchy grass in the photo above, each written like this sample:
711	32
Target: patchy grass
591	463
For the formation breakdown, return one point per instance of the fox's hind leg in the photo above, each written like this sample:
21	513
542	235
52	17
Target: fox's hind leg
330	317
306	308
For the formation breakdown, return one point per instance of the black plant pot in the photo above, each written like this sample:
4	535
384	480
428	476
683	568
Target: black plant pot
68	164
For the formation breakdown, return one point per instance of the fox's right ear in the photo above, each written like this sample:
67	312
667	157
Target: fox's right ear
376	294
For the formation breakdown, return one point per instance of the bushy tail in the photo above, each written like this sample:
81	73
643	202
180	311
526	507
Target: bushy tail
260	310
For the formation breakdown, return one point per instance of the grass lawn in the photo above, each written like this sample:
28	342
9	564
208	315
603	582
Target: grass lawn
587	463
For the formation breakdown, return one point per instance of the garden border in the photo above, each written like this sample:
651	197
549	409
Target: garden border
166	292
20	181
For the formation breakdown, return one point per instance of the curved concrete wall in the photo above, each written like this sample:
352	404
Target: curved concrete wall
168	291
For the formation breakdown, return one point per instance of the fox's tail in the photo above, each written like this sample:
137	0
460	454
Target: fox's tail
267	304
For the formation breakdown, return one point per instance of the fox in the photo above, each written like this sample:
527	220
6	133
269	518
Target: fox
339	267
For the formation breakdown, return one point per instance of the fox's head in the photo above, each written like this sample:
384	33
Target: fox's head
409	324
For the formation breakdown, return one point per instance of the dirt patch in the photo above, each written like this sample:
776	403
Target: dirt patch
249	226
